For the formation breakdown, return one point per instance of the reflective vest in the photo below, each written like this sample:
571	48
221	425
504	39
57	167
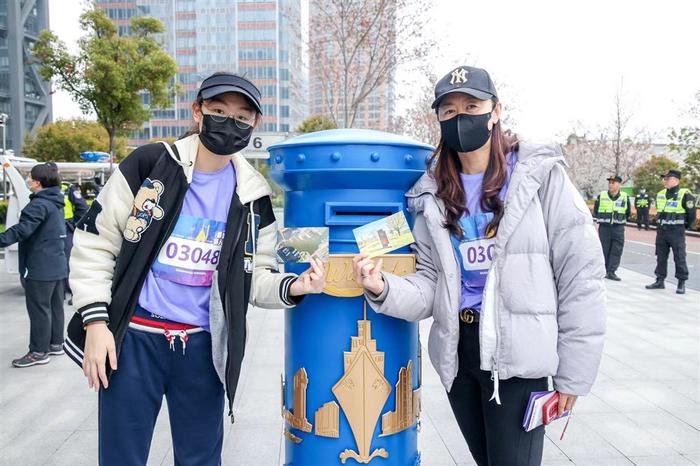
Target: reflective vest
642	202
612	212
670	211
67	204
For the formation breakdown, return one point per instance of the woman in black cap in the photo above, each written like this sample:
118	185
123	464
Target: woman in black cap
164	264
508	265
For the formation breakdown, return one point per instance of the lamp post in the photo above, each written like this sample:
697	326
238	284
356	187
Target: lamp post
3	122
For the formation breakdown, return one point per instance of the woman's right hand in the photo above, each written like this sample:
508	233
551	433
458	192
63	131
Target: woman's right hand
99	344
368	273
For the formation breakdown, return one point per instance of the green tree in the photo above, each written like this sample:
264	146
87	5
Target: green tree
64	140
648	175
110	71
686	142
316	123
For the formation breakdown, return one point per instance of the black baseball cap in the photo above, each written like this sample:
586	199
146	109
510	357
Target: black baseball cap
673	173
467	80
617	178
220	83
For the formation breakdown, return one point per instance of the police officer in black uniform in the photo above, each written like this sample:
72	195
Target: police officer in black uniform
611	210
641	205
675	211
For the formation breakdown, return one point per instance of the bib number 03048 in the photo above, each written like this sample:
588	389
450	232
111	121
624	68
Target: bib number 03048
189	254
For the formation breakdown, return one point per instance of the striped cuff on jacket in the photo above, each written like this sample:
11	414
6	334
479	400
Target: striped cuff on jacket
285	285
94	312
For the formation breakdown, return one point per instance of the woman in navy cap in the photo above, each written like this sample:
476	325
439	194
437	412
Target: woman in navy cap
508	265
164	264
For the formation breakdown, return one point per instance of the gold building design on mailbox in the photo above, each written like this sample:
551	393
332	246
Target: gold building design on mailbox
327	420
362	392
407	404
297	418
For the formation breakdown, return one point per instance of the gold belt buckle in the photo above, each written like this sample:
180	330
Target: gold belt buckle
467	316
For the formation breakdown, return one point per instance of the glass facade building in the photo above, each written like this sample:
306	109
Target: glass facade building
24	95
257	39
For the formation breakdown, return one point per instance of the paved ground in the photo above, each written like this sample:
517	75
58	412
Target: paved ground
644	408
638	255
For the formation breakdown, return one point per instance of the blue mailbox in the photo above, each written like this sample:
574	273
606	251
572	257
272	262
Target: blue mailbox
351	383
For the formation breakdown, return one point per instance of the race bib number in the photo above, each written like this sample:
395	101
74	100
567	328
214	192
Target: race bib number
193	255
192	252
477	255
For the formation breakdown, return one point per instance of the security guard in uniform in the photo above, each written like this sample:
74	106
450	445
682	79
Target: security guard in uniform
675	211
74	207
641	205
611	211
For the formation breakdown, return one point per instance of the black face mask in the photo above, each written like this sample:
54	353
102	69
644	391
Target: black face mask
223	137
466	133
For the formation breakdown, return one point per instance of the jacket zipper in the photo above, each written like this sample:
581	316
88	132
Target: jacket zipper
225	304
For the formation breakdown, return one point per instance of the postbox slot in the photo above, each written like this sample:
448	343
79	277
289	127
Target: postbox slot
359	213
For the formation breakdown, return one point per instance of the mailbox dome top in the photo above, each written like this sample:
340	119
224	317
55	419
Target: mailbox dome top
350	136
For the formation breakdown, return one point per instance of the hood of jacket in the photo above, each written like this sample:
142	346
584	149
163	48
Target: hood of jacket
535	162
250	184
52	195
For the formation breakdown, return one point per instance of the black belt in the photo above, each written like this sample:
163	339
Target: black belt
469	316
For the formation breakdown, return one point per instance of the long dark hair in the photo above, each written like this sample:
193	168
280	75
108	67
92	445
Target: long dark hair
446	167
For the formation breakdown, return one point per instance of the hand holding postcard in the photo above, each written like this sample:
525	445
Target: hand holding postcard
299	245
383	236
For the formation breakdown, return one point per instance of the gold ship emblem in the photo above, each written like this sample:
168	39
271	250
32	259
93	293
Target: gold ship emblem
362	392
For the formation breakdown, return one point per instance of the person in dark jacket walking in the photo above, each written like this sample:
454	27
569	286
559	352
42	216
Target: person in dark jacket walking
42	263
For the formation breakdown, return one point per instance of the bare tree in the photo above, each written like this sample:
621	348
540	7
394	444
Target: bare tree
585	167
355	47
618	149
420	121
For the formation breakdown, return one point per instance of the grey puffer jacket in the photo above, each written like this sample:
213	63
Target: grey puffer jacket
543	310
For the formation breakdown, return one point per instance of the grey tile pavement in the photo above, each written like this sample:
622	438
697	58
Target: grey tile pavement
643	410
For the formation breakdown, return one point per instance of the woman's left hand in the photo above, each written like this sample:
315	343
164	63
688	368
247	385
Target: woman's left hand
566	403
312	281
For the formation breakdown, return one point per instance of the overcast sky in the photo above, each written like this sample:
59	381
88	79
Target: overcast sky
561	62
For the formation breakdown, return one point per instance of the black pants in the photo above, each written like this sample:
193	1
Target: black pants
671	238
643	217
612	238
45	309
494	433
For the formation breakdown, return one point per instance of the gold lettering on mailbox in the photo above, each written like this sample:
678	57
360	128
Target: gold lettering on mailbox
340	282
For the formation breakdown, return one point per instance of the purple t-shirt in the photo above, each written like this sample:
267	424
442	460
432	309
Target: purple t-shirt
475	249
177	286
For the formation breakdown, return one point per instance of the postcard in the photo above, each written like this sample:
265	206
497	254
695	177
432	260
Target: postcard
299	245
383	236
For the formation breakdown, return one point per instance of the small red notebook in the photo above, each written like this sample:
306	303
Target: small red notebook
542	408
550	408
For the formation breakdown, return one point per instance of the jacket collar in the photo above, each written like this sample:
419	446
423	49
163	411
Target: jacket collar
250	184
535	162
